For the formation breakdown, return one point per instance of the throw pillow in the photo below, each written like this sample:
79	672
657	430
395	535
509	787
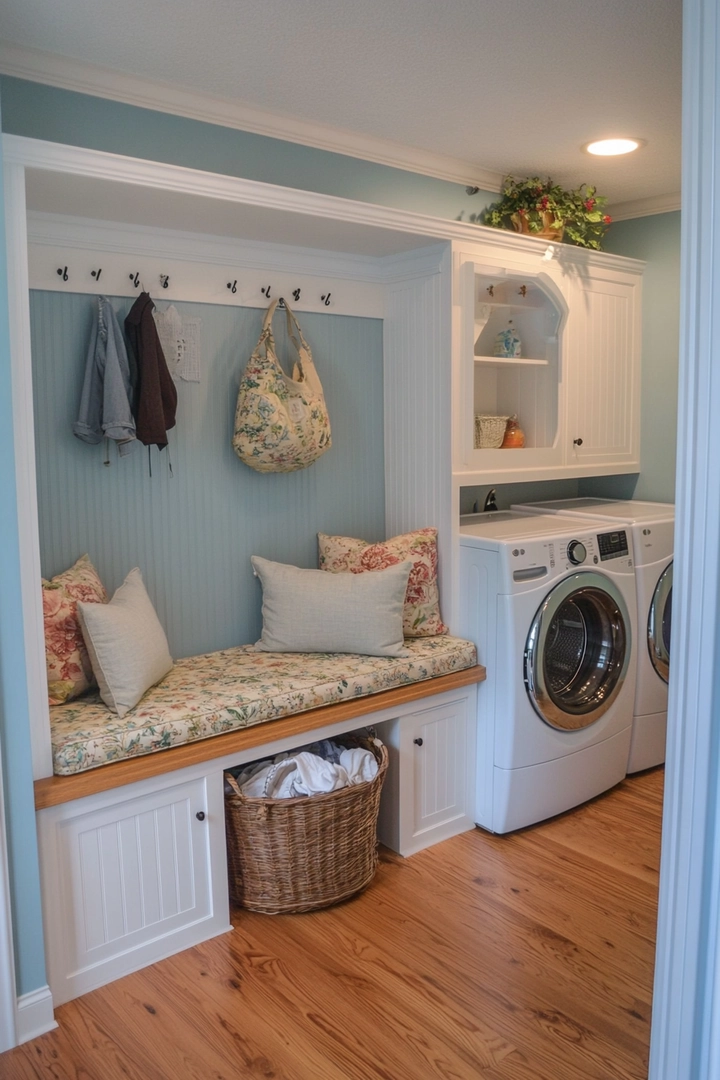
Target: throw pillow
69	671
127	645
421	615
310	611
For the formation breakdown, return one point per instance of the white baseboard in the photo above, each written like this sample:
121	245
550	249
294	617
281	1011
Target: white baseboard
35	1014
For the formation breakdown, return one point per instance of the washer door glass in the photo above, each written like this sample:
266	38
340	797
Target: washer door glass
659	623
578	651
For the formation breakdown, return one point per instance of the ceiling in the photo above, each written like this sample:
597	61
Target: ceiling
469	89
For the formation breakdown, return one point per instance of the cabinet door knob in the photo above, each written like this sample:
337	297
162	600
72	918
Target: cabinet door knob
200	815
577	442
418	742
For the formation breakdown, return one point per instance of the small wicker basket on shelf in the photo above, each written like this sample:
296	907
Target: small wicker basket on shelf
489	431
300	854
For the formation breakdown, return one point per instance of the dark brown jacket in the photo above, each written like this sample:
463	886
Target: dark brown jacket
155	399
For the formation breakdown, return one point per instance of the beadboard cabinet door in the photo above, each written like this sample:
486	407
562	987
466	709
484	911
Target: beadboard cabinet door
429	790
129	879
603	370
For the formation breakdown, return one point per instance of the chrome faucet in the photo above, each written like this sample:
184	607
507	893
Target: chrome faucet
490	503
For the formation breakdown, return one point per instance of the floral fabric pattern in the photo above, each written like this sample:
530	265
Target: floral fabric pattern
236	688
421	613
68	665
281	423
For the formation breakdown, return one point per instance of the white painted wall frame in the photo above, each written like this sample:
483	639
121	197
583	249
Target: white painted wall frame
685	1041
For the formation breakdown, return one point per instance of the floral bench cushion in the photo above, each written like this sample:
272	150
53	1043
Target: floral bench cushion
236	688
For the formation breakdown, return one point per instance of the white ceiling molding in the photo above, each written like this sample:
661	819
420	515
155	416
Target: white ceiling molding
306	205
38	66
656	204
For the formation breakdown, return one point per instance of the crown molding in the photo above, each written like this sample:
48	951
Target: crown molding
53	70
655	204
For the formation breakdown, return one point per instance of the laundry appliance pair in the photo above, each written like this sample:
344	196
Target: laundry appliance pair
651	526
550	600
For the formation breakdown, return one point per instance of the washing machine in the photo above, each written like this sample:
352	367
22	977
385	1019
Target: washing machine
550	604
652	527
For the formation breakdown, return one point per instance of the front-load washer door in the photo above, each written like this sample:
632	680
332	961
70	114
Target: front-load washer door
659	623
577	651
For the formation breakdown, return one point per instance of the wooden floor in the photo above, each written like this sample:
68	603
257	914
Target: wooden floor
505	958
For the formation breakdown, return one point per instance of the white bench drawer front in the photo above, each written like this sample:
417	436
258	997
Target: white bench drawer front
132	881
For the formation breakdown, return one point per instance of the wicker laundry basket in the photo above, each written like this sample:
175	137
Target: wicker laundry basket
289	855
489	431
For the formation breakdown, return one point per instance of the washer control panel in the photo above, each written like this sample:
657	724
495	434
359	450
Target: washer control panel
613	545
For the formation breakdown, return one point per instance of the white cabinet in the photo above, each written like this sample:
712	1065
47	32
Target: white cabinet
429	788
574	385
603	370
131	876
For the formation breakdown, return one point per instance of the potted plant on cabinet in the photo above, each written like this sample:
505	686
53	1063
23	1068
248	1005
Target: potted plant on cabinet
542	208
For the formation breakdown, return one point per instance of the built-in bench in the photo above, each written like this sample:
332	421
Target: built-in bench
132	845
229	693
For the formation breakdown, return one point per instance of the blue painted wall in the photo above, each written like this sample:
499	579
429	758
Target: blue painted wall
14	727
192	533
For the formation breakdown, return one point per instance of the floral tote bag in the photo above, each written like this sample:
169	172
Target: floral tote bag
281	423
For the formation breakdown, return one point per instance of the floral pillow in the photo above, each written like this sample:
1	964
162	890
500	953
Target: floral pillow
421	612
69	670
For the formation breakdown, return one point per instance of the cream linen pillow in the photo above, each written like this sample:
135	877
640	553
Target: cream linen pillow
311	611
127	645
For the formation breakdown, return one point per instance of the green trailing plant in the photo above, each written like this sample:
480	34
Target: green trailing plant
539	206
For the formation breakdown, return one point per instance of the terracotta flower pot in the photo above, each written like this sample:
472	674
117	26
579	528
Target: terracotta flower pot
521	225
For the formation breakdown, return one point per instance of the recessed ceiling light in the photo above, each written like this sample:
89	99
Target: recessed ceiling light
610	147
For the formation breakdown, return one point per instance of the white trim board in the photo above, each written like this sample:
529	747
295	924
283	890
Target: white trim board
35	1014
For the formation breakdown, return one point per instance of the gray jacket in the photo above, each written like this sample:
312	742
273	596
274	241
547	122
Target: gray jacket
107	390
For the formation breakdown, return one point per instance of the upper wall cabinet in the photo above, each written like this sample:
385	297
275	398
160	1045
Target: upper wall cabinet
550	335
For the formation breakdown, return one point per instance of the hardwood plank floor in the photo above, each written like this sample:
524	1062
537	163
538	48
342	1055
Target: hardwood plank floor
523	957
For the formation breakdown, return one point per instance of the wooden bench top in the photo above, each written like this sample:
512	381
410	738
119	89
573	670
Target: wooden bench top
53	790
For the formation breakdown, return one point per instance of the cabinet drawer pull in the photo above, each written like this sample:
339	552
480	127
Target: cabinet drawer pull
200	815
577	442
418	742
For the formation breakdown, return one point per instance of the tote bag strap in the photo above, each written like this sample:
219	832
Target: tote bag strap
268	340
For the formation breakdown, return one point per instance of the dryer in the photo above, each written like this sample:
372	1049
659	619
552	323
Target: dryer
550	604
652	527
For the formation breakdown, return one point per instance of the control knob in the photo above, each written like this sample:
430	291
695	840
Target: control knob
576	552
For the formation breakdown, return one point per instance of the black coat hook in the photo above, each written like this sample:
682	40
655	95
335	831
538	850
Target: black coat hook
232	286
165	279
296	295
281	302
62	271
96	273
326	299
135	278
266	292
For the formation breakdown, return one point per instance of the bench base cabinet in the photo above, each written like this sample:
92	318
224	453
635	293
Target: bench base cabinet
130	877
428	792
133	874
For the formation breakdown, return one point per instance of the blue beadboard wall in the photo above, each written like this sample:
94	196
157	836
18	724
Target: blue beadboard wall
192	534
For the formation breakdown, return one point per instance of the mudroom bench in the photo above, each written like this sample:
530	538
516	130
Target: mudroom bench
132	850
